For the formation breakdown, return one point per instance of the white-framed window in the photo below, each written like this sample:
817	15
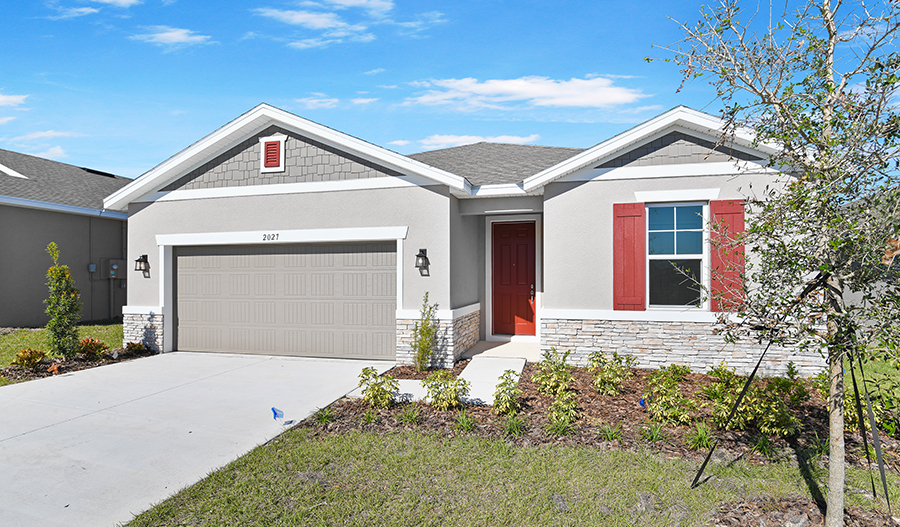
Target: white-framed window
271	153
677	254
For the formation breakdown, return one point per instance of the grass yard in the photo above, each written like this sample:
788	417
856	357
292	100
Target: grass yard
307	477
18	340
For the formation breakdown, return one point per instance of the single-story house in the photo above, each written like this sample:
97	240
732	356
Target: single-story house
43	201
275	234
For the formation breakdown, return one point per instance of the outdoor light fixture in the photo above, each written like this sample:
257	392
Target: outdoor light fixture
422	262
141	264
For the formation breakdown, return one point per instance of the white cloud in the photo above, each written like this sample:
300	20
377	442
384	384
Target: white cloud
73	12
362	100
43	135
374	7
445	141
4	120
422	22
119	3
172	37
55	152
400	142
470	93
307	19
374	72
12	100
315	103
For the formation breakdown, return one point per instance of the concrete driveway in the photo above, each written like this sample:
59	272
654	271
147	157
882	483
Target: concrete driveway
95	447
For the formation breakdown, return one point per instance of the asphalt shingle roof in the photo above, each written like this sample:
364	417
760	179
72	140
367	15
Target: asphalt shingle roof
495	163
56	182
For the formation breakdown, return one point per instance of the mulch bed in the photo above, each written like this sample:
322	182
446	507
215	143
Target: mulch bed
58	365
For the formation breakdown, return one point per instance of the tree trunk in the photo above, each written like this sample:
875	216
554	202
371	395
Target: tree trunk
834	515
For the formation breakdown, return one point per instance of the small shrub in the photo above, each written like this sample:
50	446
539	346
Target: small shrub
652	433
553	376
29	358
610	433
369	417
666	403
700	438
425	335
514	425
506	397
563	413
93	348
609	374
377	391
764	407
464	422
445	391
136	347
63	307
324	415
410	415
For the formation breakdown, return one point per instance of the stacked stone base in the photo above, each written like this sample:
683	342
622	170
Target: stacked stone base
658	344
455	337
146	329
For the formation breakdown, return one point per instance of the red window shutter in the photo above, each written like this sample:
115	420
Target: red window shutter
272	154
726	254
629	257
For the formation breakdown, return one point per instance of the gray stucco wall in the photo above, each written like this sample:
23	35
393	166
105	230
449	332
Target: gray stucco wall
466	257
425	210
578	260
24	261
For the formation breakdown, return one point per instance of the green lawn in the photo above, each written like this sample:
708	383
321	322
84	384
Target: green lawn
305	477
10	344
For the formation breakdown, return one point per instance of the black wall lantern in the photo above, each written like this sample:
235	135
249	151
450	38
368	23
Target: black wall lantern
422	262
141	264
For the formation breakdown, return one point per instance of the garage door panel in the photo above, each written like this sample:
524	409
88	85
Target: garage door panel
325	300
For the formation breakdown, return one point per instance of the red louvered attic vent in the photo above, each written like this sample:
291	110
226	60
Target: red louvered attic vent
272	156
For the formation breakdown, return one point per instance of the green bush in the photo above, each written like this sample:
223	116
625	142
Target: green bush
506	397
880	404
666	402
445	391
425	335
609	374
765	407
553	376
377	391
136	347
92	348
29	358
563	413
63	307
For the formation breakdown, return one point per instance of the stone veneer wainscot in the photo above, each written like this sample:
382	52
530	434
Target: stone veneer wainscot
144	328
455	337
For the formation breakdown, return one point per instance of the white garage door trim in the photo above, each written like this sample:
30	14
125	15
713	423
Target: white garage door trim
271	237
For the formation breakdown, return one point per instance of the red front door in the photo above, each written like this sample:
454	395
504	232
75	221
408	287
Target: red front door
513	262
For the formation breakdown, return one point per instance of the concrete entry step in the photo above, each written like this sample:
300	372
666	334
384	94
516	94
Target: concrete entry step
530	351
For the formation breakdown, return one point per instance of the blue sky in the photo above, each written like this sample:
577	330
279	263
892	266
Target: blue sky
121	85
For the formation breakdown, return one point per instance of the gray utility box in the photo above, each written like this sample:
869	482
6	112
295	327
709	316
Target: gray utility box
113	268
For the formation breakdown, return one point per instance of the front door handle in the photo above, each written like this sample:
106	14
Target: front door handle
532	293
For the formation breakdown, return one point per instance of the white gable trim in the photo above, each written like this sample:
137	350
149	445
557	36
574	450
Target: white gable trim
252	123
57	207
10	172
725	168
677	118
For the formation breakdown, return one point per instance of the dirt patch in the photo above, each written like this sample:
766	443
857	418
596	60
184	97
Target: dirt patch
792	512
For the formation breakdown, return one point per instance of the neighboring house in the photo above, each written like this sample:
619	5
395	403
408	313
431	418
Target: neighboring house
275	234
43	201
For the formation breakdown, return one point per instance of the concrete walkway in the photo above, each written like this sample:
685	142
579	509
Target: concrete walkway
95	447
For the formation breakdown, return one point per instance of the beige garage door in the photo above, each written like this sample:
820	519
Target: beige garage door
324	300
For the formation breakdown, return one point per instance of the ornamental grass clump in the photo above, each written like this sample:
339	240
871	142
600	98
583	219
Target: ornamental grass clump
610	373
377	391
63	307
445	391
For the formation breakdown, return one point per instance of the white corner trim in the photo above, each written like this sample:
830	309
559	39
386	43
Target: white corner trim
10	172
650	315
288	188
262	153
142	310
276	236
700	194
441	314
57	207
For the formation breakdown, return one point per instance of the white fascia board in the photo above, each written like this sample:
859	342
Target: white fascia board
677	117
276	236
10	172
254	121
288	188
57	207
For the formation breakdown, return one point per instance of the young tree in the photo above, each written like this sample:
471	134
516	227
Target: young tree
820	87
63	307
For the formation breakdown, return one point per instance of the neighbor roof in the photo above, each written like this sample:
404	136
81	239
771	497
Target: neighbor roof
495	163
34	178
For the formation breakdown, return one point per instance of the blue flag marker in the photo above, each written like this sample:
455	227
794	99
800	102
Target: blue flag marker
276	413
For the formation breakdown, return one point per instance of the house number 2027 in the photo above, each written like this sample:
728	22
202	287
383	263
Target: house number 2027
270	237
